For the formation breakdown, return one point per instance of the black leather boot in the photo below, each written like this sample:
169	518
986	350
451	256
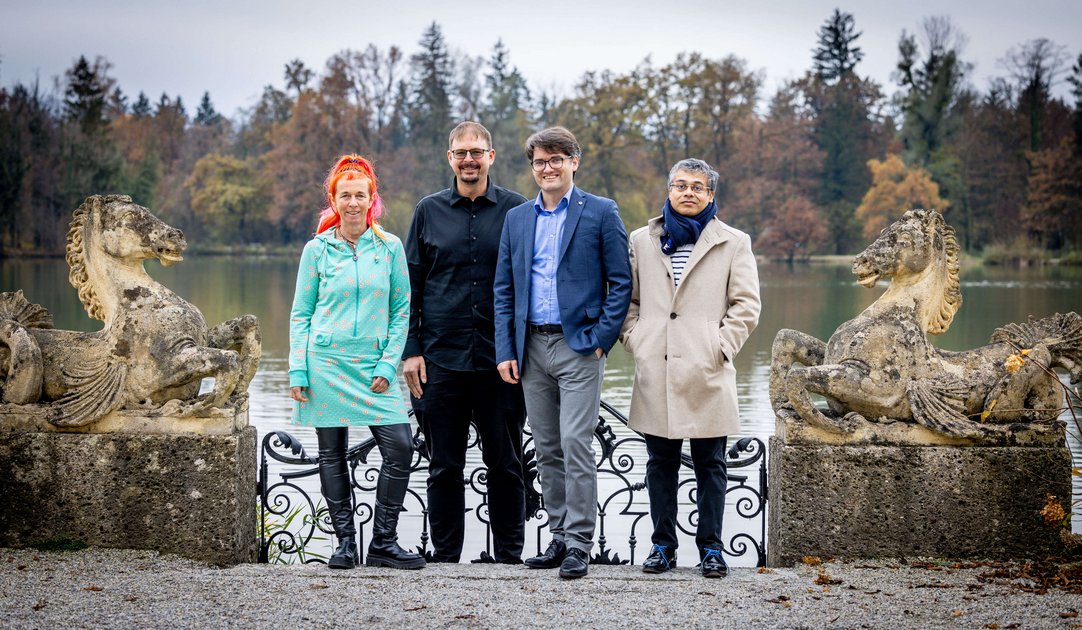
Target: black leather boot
335	484
345	556
384	550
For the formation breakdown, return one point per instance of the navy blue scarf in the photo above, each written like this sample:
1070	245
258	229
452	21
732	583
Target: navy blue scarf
680	230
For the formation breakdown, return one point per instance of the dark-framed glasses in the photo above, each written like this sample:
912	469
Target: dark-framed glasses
556	162
696	188
477	154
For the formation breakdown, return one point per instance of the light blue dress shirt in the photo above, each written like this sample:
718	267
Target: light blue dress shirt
549	231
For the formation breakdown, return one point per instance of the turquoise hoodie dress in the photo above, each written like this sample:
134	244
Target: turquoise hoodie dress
348	325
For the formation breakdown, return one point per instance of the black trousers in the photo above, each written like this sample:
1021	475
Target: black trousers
451	400
395	442
662	479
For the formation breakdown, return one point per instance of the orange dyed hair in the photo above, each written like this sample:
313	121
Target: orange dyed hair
347	167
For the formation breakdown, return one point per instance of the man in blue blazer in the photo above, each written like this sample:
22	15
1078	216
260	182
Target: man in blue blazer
562	290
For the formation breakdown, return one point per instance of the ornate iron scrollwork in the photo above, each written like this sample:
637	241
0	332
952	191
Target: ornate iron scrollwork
290	520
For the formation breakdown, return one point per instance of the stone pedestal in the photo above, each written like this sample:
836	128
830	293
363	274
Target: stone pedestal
901	491
185	486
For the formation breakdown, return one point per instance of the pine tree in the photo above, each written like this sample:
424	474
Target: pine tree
141	108
835	56
206	114
1034	66
86	93
505	115
844	129
1076	90
430	107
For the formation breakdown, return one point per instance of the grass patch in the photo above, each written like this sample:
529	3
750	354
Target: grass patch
1017	253
59	544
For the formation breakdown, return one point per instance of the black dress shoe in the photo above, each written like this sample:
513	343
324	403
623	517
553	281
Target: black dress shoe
575	564
661	559
552	557
713	564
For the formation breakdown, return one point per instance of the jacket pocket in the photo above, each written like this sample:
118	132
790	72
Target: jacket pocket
593	312
713	329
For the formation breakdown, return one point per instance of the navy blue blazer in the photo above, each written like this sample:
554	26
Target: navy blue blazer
593	276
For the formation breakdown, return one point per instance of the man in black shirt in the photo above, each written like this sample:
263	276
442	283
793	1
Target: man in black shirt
450	359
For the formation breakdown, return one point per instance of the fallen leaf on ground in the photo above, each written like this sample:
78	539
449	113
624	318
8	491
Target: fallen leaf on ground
780	599
39	605
812	561
93	587
824	578
1069	614
766	570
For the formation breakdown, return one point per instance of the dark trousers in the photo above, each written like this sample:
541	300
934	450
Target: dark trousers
451	400
662	479
395	444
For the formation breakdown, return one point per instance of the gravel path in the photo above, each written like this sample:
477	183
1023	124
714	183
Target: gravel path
105	588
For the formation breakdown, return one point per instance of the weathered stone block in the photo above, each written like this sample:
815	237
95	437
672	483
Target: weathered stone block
192	493
881	500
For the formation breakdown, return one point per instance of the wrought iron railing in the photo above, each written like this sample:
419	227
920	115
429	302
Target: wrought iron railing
293	525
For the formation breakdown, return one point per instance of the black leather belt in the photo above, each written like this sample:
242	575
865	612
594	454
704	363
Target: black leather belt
546	329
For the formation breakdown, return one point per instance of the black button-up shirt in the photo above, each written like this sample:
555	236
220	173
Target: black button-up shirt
451	250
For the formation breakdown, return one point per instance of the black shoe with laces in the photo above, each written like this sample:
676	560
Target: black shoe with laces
552	557
713	564
661	559
575	565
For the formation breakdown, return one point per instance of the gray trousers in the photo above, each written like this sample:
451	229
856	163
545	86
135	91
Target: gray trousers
563	391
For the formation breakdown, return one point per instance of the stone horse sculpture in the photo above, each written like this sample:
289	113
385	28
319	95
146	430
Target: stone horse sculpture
880	367
154	348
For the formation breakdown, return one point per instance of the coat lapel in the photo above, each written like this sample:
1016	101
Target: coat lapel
657	226
574	213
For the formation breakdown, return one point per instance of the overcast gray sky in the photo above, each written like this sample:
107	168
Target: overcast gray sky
233	49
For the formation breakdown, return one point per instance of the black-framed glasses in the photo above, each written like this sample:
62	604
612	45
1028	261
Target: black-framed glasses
696	188
556	162
476	154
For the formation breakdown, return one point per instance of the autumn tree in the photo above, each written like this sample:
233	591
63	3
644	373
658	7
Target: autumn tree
794	231
993	167
776	160
604	116
229	195
895	189
1053	209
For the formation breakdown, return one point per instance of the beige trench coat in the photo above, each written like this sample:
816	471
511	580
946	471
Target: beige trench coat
684	339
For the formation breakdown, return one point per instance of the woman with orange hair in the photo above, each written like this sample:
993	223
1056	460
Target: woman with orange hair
347	330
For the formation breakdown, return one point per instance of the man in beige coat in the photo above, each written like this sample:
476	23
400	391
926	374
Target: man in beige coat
694	301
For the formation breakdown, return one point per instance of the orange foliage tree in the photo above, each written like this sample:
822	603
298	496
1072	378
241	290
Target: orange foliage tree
896	188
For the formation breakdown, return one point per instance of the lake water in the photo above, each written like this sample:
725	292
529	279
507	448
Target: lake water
812	299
